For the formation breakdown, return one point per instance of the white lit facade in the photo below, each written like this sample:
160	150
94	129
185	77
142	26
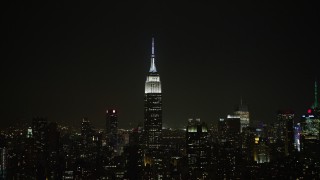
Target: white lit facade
153	84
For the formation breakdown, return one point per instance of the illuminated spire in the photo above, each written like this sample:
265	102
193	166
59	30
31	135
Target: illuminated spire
153	68
315	95
152	52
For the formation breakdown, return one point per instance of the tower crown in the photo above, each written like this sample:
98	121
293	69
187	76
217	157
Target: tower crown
153	84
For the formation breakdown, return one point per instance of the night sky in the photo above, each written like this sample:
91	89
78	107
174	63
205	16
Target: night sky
69	60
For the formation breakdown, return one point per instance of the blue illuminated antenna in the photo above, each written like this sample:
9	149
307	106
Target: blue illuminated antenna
152	55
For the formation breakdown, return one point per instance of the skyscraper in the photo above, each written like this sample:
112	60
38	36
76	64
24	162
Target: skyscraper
112	127
153	117
310	127
40	135
242	111
197	148
153	106
311	121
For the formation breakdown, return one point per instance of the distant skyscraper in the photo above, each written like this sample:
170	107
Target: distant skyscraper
40	136
311	121
243	112
310	141
39	128
153	106
53	158
112	126
286	131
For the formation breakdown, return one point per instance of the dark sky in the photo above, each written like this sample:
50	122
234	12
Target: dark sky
68	60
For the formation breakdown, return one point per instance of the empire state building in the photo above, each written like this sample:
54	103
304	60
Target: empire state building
153	107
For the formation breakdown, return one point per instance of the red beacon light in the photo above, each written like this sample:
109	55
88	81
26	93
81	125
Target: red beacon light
309	111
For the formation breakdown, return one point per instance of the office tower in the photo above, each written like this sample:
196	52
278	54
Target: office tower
243	112
229	129
197	148
286	131
310	128
310	124
112	127
40	135
53	156
310	142
228	151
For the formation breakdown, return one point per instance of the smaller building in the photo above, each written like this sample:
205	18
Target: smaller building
197	148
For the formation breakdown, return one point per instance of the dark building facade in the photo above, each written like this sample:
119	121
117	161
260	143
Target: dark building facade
286	130
197	149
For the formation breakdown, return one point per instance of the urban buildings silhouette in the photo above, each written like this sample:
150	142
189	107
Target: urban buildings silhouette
226	148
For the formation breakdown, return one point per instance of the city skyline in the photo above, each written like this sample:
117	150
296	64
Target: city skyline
69	68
